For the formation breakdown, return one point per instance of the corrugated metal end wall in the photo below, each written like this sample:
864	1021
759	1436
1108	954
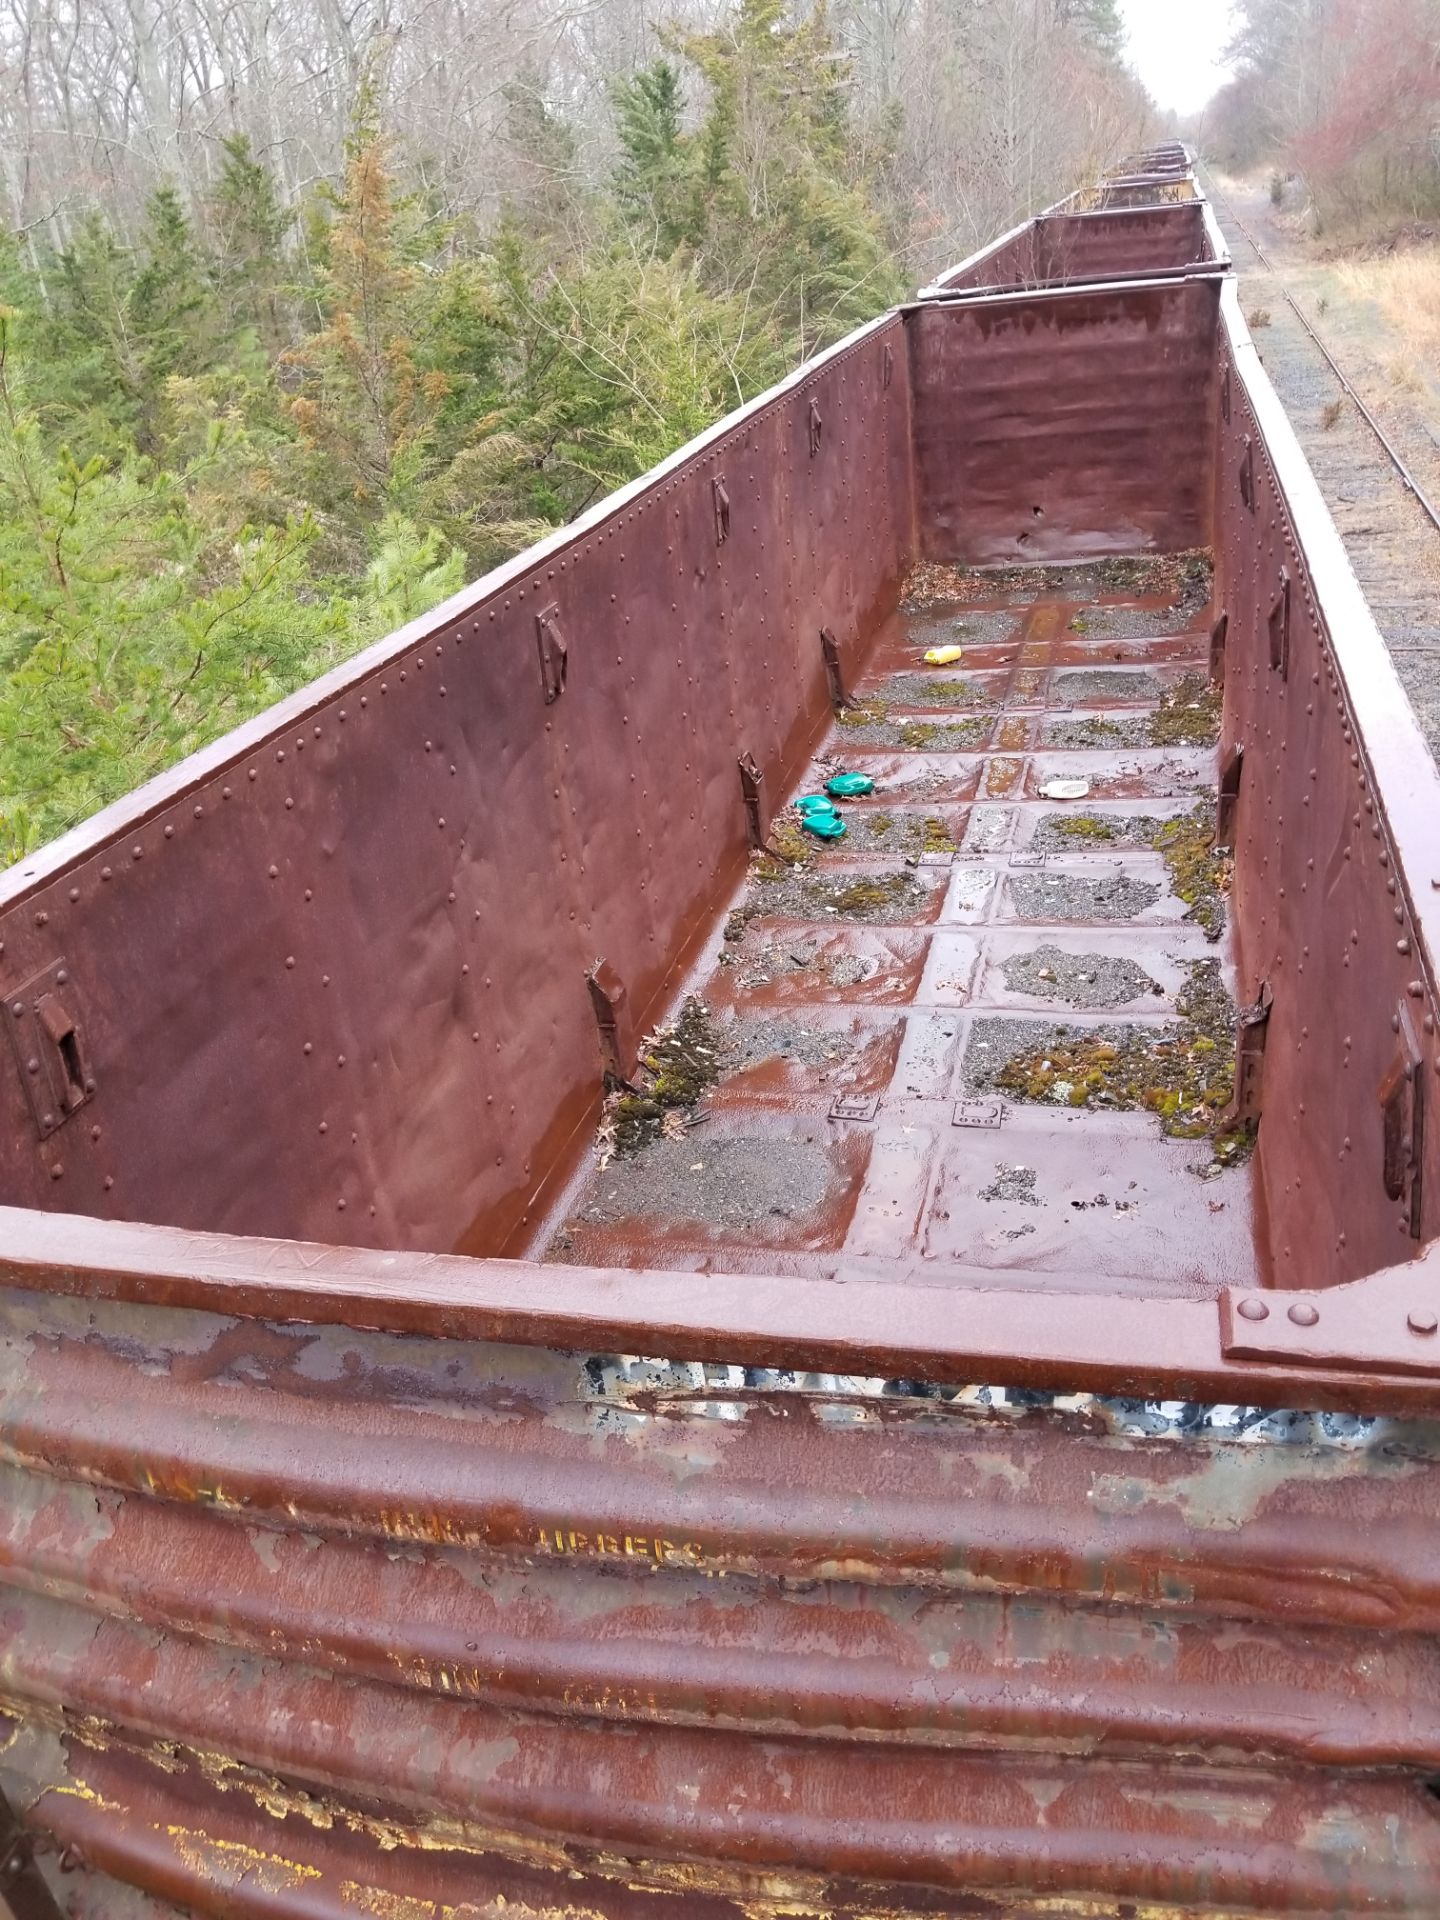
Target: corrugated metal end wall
306	1621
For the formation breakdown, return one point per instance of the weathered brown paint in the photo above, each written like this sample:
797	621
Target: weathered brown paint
1336	863
1064	426
1084	246
422	816
329	1583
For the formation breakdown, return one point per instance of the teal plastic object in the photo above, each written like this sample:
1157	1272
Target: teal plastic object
824	825
849	786
814	803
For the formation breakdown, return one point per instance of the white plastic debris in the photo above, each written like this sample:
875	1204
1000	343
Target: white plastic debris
1065	790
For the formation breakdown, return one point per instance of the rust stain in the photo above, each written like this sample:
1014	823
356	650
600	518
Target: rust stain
364	1578
231	1862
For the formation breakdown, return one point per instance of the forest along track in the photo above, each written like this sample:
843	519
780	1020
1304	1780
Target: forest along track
1392	543
987	1036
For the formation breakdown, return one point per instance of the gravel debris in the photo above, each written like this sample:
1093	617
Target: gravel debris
884	898
945	687
748	1041
950	623
879	829
1132	623
1081	896
1082	980
1181	1070
760	961
717	1181
1078	832
1012	1183
1182	580
871	726
1097	730
1079	686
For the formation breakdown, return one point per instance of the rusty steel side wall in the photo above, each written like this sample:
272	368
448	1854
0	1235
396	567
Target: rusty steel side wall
1163	189
1065	426
1337	855
331	973
1078	246
1139	241
1011	261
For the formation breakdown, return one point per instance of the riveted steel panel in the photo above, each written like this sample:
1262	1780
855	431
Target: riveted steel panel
344	1573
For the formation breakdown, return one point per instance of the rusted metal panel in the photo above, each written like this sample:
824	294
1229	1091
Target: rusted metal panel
270	1426
567	1634
320	938
1066	244
1065	426
1012	260
1086	1340
1134	242
434	1596
1335	869
224	1852
368	1579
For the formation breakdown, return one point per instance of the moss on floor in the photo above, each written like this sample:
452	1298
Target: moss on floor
788	847
870	713
1197	877
873	893
1188	715
1085	828
1184	1072
678	1064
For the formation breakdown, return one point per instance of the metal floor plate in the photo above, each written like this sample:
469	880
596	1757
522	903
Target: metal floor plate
839	1147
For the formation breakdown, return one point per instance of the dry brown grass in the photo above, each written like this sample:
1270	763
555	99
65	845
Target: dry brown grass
1406	289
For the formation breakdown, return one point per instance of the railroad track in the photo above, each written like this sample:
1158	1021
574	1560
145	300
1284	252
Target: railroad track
1412	485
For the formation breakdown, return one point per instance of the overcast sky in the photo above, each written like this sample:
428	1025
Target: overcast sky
1176	47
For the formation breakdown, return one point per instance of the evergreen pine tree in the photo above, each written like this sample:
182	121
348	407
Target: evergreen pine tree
250	228
652	179
363	403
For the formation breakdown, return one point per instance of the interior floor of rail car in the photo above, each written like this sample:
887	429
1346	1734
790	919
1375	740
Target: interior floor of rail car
981	1040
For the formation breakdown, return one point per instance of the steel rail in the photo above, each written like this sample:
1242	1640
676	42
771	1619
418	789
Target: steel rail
1411	483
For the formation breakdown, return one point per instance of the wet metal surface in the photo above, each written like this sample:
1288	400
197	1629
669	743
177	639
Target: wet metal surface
1337	886
355	935
896	1493
388	1599
904	1191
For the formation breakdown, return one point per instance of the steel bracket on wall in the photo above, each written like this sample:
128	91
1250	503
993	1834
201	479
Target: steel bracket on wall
554	653
1402	1110
1251	1029
1227	799
834	679
1247	474
49	1047
1389	1322
1218	634
1279	625
720	494
612	1017
752	791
